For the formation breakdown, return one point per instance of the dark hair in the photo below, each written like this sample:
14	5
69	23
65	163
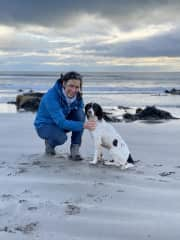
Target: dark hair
70	75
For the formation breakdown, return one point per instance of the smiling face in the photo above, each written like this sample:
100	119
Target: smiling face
72	87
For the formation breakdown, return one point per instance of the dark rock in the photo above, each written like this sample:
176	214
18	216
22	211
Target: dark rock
130	117
154	113
29	101
138	110
11	102
123	107
30	104
108	118
34	94
149	113
173	91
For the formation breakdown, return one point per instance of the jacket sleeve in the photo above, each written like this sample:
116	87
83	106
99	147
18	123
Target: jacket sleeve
56	113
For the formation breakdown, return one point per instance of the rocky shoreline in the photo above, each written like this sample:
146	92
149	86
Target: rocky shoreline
30	102
173	91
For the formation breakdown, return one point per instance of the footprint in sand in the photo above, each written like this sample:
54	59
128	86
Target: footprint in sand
22	201
72	209
24	163
164	174
32	208
20	171
6	229
157	165
120	191
7	197
26	191
26	229
2	164
36	163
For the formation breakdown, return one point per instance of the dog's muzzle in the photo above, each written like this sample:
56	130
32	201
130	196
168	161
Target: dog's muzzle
90	113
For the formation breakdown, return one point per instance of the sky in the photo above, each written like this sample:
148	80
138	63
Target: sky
94	35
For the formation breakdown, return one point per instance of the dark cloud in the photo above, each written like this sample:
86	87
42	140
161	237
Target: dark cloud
65	30
66	12
167	44
164	46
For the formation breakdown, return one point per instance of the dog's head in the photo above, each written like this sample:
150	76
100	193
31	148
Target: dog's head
94	110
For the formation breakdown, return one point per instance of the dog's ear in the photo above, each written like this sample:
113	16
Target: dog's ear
98	111
87	106
115	142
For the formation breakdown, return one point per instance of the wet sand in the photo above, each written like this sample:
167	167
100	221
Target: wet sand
54	198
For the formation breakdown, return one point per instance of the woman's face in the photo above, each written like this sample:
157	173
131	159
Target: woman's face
72	87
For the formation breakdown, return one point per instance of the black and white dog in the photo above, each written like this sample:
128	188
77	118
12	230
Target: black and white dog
106	136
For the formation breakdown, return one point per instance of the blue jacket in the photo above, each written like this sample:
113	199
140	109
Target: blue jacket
53	109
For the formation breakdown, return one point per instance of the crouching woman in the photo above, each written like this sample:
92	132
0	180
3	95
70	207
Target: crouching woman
61	110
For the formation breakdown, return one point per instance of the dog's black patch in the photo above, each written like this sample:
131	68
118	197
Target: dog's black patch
130	160
98	111
115	142
87	108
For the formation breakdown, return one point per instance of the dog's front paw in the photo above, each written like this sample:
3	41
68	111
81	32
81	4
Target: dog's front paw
93	162
106	162
126	166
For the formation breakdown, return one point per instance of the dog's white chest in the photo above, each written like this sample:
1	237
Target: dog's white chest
104	133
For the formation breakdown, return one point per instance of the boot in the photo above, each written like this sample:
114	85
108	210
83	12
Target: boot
49	150
75	155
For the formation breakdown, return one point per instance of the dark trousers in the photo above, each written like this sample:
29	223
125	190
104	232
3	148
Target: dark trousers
57	136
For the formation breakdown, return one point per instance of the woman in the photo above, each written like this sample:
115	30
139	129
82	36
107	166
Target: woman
61	111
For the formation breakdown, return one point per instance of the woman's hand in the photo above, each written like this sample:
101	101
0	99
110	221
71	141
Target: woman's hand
90	125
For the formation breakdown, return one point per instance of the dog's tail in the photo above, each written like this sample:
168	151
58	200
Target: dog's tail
130	160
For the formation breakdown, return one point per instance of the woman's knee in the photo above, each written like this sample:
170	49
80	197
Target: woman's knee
61	139
54	134
58	137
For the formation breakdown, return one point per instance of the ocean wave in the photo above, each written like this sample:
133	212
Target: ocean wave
116	90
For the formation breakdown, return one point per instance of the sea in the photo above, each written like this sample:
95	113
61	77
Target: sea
110	89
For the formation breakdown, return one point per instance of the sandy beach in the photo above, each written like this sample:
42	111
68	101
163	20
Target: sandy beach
54	198
122	55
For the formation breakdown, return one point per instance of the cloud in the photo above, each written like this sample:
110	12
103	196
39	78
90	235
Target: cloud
166	44
89	33
125	14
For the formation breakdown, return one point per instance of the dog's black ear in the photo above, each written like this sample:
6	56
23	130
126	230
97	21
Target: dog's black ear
87	106
115	142
98	111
